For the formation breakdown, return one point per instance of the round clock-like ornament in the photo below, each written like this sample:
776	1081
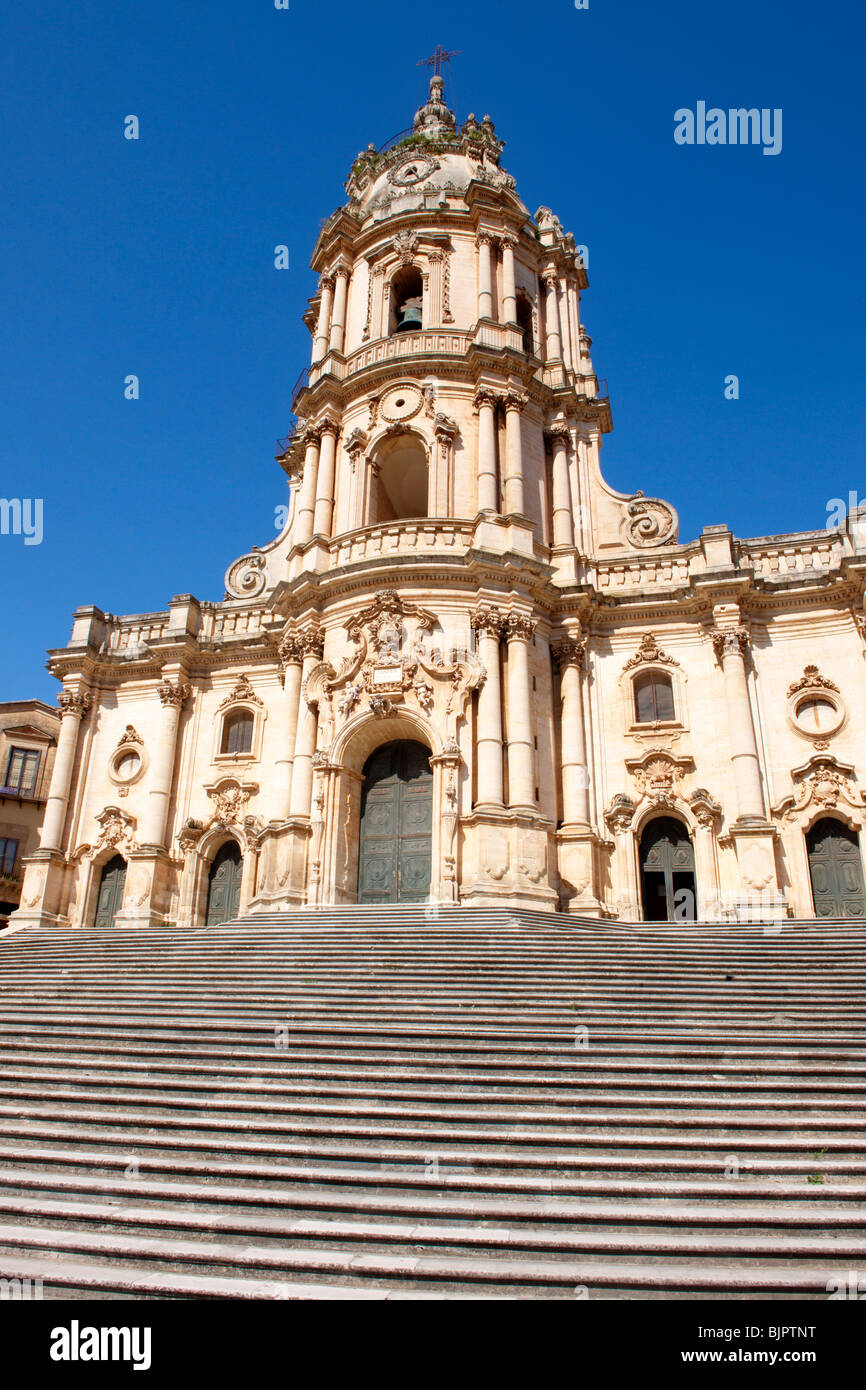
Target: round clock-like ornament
413	171
401	403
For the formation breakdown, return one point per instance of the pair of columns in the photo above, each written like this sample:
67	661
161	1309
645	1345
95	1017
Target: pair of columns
513	503
487	242
492	626
330	335
294	781
73	707
316	498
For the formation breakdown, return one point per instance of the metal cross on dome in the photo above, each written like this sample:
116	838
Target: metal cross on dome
437	58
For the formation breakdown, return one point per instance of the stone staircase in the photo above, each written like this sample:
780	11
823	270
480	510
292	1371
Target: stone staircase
399	1103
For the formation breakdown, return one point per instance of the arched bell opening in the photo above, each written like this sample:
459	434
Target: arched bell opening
835	869
400	480
395	852
407	301
667	872
524	320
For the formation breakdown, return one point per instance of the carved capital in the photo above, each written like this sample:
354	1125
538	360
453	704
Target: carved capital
485	238
488	620
570	652
620	813
172	696
734	642
76	705
558	431
484	396
519	628
291	651
311	643
515	400
326	282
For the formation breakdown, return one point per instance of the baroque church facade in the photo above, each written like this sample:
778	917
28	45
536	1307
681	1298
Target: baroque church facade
467	672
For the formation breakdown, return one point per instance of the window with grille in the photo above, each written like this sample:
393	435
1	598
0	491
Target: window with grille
21	771
653	698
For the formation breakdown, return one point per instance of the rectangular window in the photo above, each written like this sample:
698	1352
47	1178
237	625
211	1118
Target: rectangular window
21	771
8	855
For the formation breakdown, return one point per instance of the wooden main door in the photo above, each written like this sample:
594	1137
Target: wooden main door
224	884
836	870
111	886
396	825
667	863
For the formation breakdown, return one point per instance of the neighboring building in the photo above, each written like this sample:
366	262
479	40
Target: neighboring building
468	671
28	739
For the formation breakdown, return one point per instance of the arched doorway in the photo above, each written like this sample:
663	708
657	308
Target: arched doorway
224	884
396	825
667	872
836	869
111	886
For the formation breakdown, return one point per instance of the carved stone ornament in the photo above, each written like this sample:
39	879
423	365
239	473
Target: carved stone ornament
116	832
730	642
620	813
822	782
489	620
73	704
705	809
242	692
129	738
649	651
811	680
649	522
388	667
246	577
570	651
658	774
230	799
172	695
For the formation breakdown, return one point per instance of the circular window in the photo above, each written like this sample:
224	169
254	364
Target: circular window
817	715
126	766
400	403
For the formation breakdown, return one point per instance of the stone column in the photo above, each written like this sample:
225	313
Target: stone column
569	655
489	623
337	337
521	747
323	326
509	291
488	487
441	483
325	481
153	824
307	497
563	520
730	648
484	243
554	336
513	482
292	656
73	707
307	729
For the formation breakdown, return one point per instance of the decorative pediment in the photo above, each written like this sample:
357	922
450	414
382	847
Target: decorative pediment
116	832
823	783
242	693
129	738
649	651
658	773
230	798
811	680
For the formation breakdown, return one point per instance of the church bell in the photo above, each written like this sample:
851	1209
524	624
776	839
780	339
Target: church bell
409	315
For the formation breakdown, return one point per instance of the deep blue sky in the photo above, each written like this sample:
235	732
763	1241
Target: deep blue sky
156	258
